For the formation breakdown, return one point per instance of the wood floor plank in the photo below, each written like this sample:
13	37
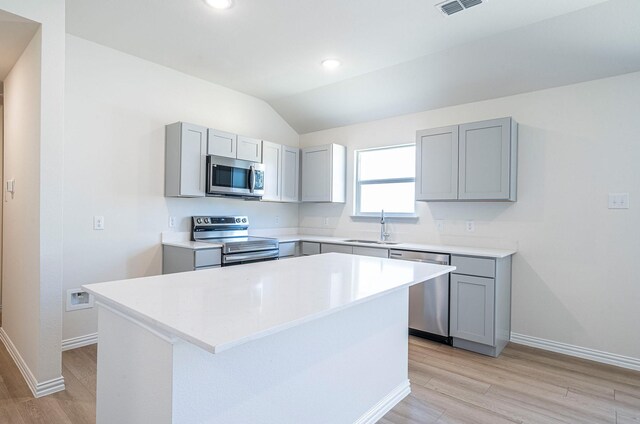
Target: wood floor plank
523	385
627	419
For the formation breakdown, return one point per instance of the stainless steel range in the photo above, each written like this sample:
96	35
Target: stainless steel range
238	247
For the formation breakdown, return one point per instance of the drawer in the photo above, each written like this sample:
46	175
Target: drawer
337	248
310	248
371	251
288	249
470	265
208	257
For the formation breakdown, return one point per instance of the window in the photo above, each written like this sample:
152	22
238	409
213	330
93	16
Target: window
385	179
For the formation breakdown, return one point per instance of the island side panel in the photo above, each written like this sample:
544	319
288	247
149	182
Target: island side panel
134	372
347	367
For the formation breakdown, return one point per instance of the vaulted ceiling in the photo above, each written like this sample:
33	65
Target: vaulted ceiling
398	56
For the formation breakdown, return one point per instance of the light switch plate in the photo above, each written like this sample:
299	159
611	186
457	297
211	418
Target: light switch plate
618	200
440	225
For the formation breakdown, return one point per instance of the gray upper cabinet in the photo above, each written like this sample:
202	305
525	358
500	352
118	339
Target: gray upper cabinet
185	160
272	160
474	161
290	174
324	173
282	172
488	160
221	143
229	145
249	149
437	164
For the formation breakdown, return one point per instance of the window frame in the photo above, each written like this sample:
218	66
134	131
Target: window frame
358	184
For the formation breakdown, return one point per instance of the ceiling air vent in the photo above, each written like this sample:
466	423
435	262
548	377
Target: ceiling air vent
448	8
470	3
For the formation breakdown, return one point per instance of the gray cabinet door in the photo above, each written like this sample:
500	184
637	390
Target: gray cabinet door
472	308
371	251
271	159
485	160
249	149
337	248
310	248
221	143
185	160
316	174
290	174
437	164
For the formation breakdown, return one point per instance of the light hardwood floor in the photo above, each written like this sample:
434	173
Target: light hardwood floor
523	385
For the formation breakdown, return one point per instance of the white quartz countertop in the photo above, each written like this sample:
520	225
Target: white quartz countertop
220	308
437	248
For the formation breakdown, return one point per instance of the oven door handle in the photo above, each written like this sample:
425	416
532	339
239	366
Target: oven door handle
229	259
252	178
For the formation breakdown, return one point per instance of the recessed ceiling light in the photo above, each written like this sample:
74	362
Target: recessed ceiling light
219	4
331	63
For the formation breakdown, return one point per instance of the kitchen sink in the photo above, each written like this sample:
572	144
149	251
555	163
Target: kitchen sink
371	241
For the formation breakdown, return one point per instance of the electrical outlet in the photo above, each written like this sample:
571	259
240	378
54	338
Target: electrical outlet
98	222
78	299
326	221
440	225
618	200
277	220
172	221
471	226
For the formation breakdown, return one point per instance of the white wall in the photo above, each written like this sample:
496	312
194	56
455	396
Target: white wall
116	109
21	212
32	312
575	277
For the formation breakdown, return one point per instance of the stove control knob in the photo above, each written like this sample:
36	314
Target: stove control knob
199	220
244	220
206	220
237	219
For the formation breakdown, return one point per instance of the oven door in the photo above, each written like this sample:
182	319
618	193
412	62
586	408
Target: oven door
234	177
244	258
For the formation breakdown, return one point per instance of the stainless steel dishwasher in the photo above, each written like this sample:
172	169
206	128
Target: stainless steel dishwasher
428	301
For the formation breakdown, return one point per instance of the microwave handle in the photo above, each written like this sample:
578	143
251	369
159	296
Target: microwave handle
252	178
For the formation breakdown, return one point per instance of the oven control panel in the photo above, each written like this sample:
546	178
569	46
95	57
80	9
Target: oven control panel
220	220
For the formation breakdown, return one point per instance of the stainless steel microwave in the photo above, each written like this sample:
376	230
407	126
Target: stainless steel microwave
234	177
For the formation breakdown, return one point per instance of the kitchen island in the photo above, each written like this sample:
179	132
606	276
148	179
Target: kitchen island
317	339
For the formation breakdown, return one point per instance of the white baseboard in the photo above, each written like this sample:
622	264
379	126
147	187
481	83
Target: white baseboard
38	389
577	351
385	405
76	342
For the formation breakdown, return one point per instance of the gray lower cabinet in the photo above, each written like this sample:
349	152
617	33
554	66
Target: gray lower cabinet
310	248
185	160
473	161
182	259
480	303
289	249
337	248
371	251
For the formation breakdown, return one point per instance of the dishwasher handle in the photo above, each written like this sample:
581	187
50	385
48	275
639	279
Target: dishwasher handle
395	255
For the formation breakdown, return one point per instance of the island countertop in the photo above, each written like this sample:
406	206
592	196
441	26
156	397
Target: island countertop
220	308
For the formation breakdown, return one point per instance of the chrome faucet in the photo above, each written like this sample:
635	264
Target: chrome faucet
384	235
